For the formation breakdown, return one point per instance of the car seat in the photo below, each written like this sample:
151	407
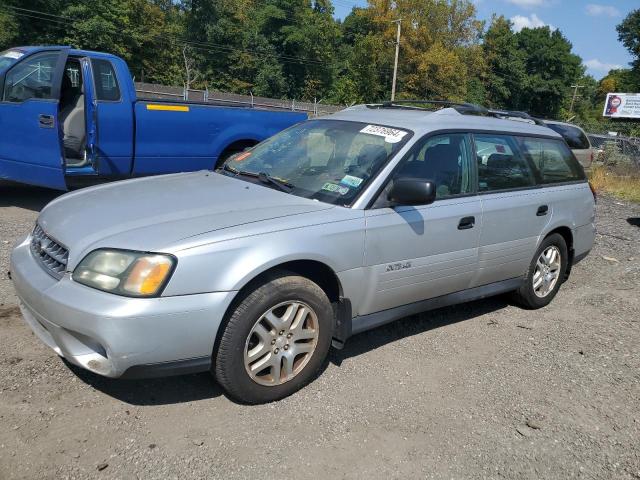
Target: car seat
72	119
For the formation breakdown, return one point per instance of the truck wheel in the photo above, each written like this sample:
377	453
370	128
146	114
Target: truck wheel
545	273
275	341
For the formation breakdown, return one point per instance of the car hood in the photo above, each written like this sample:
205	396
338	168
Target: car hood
151	213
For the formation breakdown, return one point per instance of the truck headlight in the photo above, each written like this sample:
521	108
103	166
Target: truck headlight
132	274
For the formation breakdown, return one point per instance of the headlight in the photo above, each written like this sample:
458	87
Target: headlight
133	274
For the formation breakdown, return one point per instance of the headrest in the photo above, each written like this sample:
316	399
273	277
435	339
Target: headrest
499	160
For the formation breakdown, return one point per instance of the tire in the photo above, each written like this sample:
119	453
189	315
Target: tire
224	156
533	294
286	323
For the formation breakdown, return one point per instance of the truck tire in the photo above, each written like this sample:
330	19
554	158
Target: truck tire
275	341
545	273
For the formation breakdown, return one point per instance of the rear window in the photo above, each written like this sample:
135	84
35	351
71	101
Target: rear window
500	166
105	79
552	159
574	137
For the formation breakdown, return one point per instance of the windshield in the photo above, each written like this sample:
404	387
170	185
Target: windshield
327	160
9	57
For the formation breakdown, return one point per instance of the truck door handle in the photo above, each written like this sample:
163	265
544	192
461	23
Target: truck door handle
466	222
45	121
542	210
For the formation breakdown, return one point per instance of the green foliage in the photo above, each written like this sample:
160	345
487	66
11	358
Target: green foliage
629	35
531	70
297	49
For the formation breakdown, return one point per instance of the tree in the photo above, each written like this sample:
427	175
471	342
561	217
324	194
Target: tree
505	64
629	35
550	69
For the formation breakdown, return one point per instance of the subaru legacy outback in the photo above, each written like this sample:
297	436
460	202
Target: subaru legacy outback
332	227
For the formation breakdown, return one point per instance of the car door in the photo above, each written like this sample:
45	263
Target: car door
30	147
514	209
413	253
111	118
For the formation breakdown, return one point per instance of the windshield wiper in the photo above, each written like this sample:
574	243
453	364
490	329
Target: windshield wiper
262	177
281	184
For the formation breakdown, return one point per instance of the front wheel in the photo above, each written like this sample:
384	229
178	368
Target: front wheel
545	274
275	341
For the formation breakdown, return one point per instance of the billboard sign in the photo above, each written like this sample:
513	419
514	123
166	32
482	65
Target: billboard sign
622	105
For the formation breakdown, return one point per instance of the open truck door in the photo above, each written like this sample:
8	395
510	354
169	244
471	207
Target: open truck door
91	114
30	143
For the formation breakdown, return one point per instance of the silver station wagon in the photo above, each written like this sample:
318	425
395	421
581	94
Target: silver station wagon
332	227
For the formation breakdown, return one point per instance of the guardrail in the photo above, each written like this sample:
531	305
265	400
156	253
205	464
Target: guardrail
153	91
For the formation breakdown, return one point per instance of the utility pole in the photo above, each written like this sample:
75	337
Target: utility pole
395	63
575	95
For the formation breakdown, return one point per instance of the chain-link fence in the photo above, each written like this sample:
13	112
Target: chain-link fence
153	91
616	149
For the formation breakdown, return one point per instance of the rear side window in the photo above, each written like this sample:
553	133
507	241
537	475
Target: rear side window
553	160
574	137
500	165
105	79
31	78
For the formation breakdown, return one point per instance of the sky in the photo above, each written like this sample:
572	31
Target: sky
589	26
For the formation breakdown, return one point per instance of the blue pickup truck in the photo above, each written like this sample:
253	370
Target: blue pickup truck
70	117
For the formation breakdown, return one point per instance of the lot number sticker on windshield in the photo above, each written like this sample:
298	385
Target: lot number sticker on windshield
391	135
332	187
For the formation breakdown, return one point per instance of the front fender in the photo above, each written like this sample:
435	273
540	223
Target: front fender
229	265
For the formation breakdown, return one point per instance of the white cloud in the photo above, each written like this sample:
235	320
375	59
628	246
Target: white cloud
596	10
532	21
595	64
528	3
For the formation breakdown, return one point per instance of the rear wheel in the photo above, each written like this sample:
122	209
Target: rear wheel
545	274
233	149
275	341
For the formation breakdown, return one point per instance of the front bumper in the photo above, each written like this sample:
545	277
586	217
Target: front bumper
109	334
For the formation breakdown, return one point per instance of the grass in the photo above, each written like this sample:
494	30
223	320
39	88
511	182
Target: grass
625	185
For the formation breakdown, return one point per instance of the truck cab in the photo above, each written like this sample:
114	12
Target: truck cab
70	117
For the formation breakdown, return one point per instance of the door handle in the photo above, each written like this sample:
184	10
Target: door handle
46	121
466	222
542	210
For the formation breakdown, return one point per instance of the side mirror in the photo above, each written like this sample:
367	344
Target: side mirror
412	191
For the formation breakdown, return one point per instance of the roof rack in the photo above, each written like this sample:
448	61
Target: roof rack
507	114
466	108
462	108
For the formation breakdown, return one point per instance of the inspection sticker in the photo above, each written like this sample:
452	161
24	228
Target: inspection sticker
332	187
391	135
351	181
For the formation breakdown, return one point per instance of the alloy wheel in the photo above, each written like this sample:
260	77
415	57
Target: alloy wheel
281	343
547	271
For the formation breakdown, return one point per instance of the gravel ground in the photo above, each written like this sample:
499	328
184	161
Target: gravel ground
482	390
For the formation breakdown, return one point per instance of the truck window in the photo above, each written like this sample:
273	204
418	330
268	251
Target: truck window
32	78
552	159
105	79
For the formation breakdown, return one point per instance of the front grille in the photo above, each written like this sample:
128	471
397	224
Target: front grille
52	256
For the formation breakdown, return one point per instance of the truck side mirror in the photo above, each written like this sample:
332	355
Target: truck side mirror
412	191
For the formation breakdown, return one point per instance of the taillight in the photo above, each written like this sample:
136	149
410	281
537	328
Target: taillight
593	192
